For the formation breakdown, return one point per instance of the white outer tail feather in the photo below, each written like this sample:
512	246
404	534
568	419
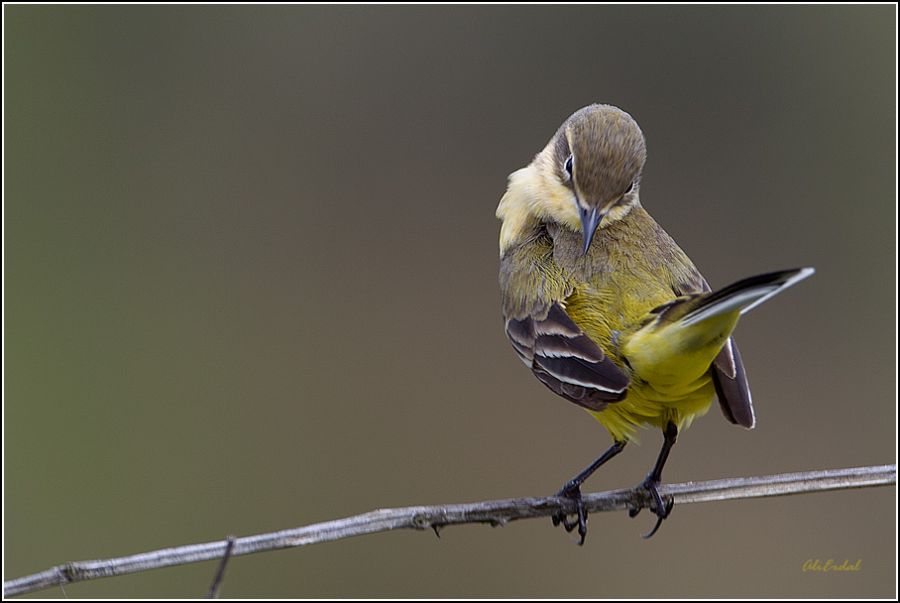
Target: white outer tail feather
754	296
804	273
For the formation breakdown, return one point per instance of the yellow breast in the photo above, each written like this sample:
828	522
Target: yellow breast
619	284
668	381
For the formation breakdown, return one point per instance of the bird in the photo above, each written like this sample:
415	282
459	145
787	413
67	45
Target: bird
606	310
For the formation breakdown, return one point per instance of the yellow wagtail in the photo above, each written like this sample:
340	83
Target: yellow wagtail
605	308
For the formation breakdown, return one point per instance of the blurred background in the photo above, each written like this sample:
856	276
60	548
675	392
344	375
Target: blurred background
251	262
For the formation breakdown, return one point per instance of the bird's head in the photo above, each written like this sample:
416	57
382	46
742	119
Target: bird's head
598	155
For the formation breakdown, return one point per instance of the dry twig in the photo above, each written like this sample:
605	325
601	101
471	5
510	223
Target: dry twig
496	512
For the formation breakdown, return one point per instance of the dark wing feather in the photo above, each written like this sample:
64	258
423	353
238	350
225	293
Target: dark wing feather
566	360
732	388
728	373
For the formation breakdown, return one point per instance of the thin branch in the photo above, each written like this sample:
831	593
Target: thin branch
220	573
495	513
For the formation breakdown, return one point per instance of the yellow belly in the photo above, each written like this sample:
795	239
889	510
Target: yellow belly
667	361
647	406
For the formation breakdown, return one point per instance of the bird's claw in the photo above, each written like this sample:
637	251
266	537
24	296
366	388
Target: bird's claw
573	493
658	506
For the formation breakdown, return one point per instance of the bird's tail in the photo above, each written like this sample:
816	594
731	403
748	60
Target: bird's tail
675	351
744	295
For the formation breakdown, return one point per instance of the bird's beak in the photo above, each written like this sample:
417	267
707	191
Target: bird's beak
590	220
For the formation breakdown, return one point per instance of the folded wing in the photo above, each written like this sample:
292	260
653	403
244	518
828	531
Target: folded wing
566	360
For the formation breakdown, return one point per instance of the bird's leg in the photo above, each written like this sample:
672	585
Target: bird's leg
572	490
651	483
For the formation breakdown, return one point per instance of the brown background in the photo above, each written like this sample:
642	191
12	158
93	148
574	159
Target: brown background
251	284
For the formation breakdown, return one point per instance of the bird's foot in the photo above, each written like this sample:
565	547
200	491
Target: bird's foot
573	492
658	506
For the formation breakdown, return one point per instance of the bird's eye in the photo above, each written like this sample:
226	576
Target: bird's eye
568	165
630	188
